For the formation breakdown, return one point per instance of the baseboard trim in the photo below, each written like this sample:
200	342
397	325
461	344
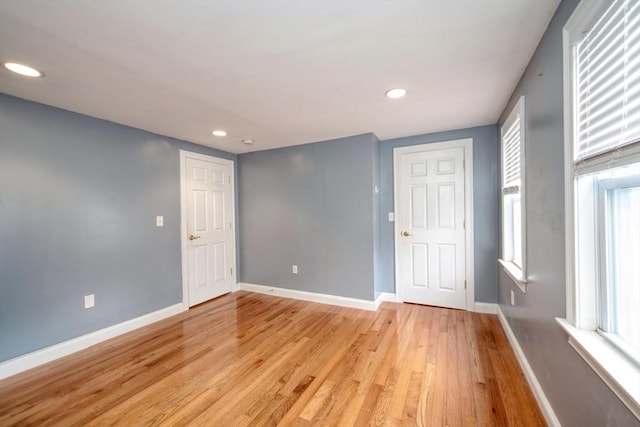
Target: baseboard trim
479	307
311	296
486	307
385	296
56	351
538	392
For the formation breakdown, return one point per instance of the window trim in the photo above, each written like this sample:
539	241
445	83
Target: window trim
604	187
616	369
517	273
613	367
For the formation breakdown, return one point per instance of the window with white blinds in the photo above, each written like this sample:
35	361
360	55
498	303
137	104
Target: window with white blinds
602	188
513	212
607	66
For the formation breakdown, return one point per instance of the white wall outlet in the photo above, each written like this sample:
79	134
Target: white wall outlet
159	221
513	297
294	269
89	301
392	216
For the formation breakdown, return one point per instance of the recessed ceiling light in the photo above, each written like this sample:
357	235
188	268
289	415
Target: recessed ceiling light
248	141
24	70
219	133
396	93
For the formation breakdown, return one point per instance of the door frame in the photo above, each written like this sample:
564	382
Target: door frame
467	145
184	247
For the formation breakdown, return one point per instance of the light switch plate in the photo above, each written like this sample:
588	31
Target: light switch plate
159	221
392	216
294	269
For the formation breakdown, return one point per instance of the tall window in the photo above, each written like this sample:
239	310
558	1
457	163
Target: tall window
603	176
512	136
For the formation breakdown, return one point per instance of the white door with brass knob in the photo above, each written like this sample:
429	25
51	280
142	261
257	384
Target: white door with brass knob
208	236
431	190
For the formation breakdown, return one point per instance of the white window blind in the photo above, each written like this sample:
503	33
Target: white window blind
513	197
512	162
608	82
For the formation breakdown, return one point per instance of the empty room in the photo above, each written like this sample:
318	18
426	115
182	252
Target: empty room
327	213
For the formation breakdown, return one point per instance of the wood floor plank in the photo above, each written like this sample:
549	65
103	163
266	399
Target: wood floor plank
466	384
256	360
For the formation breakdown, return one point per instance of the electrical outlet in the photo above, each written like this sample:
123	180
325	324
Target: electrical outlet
159	221
89	301
513	297
294	269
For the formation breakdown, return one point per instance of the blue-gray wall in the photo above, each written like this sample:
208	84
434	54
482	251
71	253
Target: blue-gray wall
78	201
578	397
306	204
485	205
313	206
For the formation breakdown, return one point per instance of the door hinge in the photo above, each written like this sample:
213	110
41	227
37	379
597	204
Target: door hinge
463	164
464	224
232	275
465	284
230	225
229	179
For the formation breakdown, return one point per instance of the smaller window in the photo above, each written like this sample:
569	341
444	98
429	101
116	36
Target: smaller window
513	241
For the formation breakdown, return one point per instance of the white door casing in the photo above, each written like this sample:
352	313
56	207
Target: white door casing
434	206
207	232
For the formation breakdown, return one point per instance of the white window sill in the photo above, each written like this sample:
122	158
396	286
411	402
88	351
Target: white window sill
515	273
620	373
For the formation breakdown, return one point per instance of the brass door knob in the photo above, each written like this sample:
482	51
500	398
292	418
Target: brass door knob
406	234
192	237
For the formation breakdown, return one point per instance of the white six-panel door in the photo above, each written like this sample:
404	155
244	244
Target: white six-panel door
431	226
208	234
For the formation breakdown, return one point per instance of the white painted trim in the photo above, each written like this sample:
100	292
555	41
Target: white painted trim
486	307
614	368
310	296
584	16
568	35
385	296
467	145
48	354
183	217
538	392
515	274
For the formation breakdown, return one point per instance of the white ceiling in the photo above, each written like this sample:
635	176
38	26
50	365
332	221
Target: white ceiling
280	72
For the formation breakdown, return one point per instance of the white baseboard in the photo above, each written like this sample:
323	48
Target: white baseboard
48	354
486	307
385	296
538	392
479	307
311	296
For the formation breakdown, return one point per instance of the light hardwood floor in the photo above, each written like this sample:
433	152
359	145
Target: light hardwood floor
251	359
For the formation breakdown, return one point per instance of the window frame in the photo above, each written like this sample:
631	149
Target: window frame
613	366
604	315
516	273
